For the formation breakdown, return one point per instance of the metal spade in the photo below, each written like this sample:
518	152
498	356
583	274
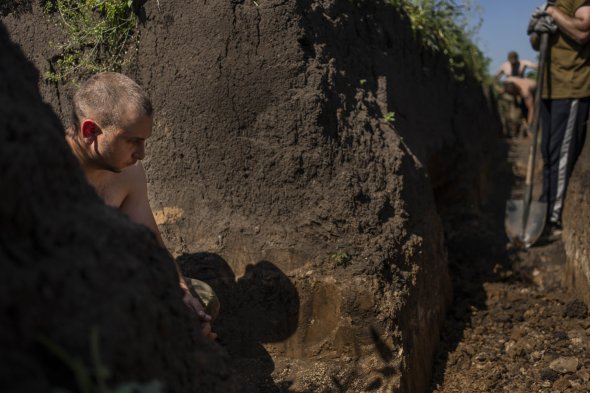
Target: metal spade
525	219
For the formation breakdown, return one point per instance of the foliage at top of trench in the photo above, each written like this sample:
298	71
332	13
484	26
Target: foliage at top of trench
98	34
443	26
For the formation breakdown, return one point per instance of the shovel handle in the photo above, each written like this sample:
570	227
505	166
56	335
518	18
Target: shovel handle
536	114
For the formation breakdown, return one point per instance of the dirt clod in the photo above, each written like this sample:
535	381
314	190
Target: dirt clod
576	309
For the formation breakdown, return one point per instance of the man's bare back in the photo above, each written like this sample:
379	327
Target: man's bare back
127	191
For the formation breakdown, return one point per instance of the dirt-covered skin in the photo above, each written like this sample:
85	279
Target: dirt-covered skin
77	277
513	327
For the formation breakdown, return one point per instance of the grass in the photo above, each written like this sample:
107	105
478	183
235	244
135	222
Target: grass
341	258
98	36
389	117
443	26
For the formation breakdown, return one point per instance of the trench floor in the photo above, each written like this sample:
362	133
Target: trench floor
512	326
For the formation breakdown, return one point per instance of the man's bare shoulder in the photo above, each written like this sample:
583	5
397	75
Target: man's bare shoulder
117	188
132	180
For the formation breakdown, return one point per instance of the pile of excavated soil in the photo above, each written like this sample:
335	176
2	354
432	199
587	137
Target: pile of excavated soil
81	287
513	326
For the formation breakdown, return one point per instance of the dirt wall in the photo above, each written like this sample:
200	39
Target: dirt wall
576	234
77	279
319	217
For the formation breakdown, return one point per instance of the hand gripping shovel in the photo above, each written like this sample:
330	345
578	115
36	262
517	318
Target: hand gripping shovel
525	219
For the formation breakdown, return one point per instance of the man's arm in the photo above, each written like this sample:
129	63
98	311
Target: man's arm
529	64
576	27
137	207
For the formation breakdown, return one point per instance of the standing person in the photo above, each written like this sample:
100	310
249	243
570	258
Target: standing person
514	67
112	117
512	76
566	96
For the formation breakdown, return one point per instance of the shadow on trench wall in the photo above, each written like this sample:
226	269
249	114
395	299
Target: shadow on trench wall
260	307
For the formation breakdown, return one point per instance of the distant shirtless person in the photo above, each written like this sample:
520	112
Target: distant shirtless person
111	120
524	88
512	75
514	67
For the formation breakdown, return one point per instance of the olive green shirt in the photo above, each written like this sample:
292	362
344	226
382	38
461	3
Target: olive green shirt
569	62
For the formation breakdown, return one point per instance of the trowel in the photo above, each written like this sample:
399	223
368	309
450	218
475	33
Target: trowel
525	219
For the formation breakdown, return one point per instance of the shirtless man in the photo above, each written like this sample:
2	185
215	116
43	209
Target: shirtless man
514	67
524	88
111	120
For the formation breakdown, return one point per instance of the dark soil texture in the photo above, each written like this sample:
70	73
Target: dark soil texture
513	327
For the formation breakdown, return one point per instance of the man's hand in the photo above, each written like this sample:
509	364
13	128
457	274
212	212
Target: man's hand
205	319
545	24
541	22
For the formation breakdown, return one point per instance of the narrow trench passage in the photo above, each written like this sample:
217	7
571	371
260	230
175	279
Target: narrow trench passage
512	326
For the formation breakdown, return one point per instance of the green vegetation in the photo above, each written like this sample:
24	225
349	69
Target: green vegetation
341	258
98	34
442	26
389	117
94	381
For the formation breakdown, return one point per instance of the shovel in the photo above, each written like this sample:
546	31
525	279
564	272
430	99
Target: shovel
525	219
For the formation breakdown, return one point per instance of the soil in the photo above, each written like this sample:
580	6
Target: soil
73	269
271	152
576	233
513	327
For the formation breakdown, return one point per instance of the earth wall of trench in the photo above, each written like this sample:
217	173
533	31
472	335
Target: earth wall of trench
576	233
300	153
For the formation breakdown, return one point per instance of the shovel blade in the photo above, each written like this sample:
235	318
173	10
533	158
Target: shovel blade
519	231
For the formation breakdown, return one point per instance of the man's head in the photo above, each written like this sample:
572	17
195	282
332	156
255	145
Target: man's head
512	57
112	118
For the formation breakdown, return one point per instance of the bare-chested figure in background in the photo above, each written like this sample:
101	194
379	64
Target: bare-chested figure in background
515	67
512	74
525	88
111	120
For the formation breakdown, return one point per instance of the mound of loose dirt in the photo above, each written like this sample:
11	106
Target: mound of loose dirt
72	268
576	234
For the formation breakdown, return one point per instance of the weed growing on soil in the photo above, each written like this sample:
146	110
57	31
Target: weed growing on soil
98	33
389	117
94	381
442	26
341	258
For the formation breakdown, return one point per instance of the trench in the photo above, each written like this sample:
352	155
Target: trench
512	325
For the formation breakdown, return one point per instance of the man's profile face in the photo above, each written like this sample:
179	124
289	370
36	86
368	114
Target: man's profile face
119	147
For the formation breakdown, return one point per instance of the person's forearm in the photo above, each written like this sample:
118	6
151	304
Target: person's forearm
575	28
181	281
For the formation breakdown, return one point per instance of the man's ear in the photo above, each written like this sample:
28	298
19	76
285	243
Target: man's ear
89	130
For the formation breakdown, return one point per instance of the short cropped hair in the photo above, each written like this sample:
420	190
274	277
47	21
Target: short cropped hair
512	55
107	97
